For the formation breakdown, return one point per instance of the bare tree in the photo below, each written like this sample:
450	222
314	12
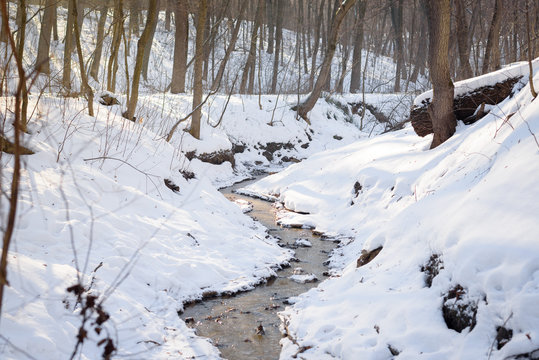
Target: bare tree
492	51
441	108
305	107
355	80
278	40
94	68
43	49
141	46
149	42
249	68
199	59
465	69
180	47
85	87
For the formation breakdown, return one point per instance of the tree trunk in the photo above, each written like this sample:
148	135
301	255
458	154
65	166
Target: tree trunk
112	66
43	49
249	69
397	22
229	49
316	45
96	62
493	41
148	48
180	47
355	81
134	13
419	67
270	8
68	45
168	13
199	59
84	80
142	44
308	104
465	70
441	109
278	40
22	18
3	34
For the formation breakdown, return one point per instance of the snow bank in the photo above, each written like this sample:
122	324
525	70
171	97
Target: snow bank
94	206
473	201
464	86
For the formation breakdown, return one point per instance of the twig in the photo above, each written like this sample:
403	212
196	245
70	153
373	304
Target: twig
169	136
128	164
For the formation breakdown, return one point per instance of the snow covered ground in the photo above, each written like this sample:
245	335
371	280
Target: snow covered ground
472	202
95	209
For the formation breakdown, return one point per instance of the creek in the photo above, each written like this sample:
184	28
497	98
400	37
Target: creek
246	325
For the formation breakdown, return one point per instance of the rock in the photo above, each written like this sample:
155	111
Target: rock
459	311
215	158
464	106
367	256
302	279
171	185
303	242
187	175
337	137
260	330
432	268
190	321
503	336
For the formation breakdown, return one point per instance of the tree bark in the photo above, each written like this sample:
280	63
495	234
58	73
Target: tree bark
355	80
249	68
68	45
278	40
316	45
43	49
199	59
180	47
465	69
493	41
397	22
148	48
20	53
112	66
304	108
441	109
85	87
270	7
229	49
142	44
98	52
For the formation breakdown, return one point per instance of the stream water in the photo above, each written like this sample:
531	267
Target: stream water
246	326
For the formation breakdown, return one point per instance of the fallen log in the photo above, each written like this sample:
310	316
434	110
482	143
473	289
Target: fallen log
468	107
8	147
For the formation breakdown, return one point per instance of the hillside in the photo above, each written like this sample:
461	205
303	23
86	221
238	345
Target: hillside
457	229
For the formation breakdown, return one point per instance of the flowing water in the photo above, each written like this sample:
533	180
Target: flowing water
246	326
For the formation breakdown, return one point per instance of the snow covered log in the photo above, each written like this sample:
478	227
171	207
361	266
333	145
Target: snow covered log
465	104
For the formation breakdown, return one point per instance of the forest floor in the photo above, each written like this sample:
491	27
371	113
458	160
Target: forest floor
135	226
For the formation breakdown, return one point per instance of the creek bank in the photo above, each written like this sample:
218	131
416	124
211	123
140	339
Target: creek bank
246	324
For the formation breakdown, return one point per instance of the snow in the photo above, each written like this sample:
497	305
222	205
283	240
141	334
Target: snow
303	278
473	201
94	208
462	87
303	242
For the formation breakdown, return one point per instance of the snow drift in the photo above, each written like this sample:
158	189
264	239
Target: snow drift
472	203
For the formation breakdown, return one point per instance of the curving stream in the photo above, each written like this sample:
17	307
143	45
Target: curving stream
246	326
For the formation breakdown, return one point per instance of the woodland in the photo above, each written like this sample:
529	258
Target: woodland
404	132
